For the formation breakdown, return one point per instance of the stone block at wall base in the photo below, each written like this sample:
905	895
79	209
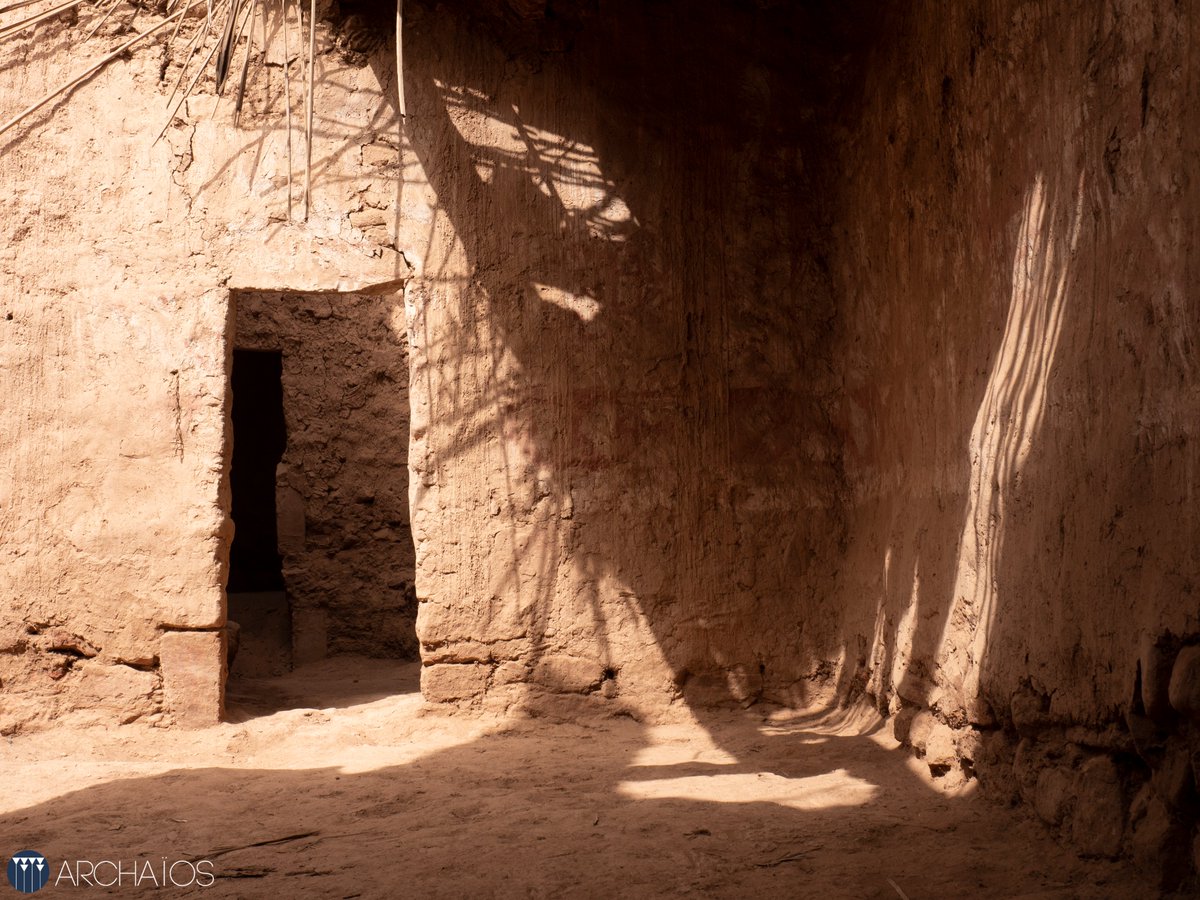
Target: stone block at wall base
193	674
445	683
1099	808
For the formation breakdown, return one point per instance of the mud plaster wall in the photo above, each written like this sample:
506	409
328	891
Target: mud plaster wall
342	485
715	346
624	466
736	380
1017	272
117	258
624	472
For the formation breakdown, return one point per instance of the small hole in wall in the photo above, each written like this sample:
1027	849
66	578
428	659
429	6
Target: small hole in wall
362	28
610	674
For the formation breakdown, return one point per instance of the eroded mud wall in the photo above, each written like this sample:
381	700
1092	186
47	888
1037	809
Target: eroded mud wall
342	485
1020	306
624	472
118	254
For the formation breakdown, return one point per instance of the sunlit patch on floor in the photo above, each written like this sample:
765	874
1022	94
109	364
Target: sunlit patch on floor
833	789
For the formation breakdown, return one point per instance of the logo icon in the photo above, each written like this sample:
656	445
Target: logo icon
28	871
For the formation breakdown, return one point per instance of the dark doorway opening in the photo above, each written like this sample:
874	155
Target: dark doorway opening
257	599
323	555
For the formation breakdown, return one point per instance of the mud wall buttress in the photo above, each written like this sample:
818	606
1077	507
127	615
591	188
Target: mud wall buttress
622	462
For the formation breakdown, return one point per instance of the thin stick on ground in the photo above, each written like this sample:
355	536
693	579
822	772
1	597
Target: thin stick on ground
312	43
91	70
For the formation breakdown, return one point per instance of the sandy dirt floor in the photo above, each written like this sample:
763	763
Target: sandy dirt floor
335	782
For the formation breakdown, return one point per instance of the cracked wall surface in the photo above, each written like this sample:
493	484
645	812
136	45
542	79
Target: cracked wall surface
1019	301
118	257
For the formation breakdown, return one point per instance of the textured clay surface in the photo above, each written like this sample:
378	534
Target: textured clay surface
115	339
757	354
625	472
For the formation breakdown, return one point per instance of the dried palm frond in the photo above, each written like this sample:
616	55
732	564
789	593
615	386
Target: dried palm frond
308	129
287	100
20	4
187	92
226	44
400	107
112	8
241	94
230	21
195	43
15	27
91	70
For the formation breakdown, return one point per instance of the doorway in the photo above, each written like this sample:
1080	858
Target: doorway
322	562
258	602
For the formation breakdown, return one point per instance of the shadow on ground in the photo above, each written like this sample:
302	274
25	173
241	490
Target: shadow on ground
333	683
383	798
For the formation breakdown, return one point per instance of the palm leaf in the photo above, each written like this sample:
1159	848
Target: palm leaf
308	131
92	69
226	44
15	27
241	94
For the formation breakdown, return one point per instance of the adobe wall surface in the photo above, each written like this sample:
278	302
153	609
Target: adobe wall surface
1020	323
736	373
1020	310
623	462
342	485
738	380
117	259
624	465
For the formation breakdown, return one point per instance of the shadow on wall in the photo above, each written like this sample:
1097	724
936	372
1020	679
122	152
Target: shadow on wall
622	332
712	472
939	586
1009	422
1017	345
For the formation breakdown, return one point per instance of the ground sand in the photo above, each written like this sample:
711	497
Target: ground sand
335	782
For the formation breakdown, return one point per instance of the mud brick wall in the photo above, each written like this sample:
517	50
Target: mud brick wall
1019	312
117	258
625	471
